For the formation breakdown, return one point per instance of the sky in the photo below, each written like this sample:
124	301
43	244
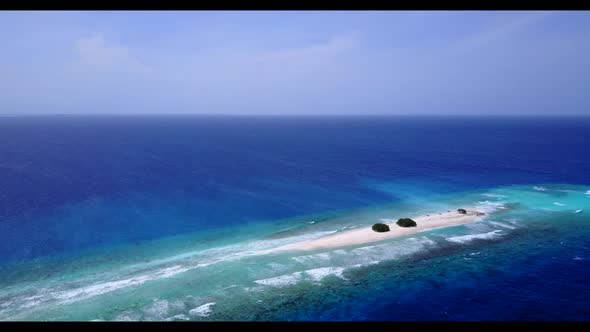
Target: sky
295	62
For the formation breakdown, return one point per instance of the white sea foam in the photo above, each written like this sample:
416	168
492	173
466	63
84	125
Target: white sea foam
6	304
490	207
276	266
105	287
281	281
339	252
230	287
314	275
558	204
468	238
258	248
263	246
202	311
501	224
32	301
423	241
128	317
390	251
365	264
158	310
177	317
578	211
539	188
588	192
314	259
494	195
322	272
368	253
355	258
95	285
92	286
513	221
85	289
63	296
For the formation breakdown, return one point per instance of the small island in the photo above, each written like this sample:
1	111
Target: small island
383	231
380	228
406	222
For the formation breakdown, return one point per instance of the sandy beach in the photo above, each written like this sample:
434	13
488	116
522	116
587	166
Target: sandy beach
367	235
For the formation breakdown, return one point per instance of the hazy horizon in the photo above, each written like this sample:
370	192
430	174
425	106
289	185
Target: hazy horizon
303	115
423	63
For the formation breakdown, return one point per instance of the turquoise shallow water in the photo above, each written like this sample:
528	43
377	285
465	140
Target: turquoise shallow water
175	217
234	275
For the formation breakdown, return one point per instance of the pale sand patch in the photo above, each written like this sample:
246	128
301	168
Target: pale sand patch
367	235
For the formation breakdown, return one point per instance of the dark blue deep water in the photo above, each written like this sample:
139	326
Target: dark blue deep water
76	184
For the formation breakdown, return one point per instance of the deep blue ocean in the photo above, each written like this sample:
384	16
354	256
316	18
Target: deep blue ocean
161	217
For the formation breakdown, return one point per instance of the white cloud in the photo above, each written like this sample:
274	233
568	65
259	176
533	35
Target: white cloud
94	51
333	47
499	31
302	67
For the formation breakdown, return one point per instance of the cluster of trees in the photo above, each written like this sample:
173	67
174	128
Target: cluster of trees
403	222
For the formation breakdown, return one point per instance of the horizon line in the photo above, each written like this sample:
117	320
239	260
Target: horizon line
302	115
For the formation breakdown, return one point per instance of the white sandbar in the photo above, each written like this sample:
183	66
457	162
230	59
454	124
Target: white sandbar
367	235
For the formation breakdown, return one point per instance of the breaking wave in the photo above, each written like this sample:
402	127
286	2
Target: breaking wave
483	236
